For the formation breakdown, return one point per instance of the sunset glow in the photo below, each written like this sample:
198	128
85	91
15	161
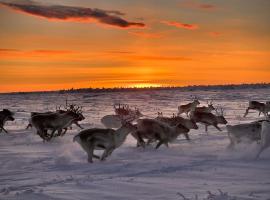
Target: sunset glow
51	45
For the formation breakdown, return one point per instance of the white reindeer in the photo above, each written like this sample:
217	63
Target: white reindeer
265	137
258	131
105	139
248	132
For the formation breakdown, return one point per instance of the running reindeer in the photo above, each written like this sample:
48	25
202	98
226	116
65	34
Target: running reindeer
67	107
209	108
103	139
188	107
122	112
258	131
209	118
155	130
170	121
174	120
261	107
56	121
5	115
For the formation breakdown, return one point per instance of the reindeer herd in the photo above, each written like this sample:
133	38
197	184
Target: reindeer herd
146	130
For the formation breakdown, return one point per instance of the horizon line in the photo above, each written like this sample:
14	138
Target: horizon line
111	89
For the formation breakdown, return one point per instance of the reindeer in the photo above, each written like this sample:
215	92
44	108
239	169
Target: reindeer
258	131
5	115
188	107
265	137
155	130
174	120
54	122
261	107
123	112
34	114
71	107
248	132
209	118
209	108
104	139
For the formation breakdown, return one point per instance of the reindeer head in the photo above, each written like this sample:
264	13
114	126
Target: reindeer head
220	115
160	114
196	101
138	112
73	110
210	105
128	125
8	115
181	129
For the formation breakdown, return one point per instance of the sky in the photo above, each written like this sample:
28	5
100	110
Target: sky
62	44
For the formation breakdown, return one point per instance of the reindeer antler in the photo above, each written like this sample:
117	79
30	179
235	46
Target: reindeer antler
209	102
219	110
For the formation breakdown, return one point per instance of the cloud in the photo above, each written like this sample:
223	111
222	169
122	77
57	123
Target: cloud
9	50
36	54
181	25
146	35
214	34
71	13
198	6
207	6
161	58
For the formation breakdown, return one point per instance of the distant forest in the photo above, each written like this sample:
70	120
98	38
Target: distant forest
183	88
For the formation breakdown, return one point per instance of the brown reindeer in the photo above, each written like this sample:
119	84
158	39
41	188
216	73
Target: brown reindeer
209	118
5	115
155	130
188	107
261	107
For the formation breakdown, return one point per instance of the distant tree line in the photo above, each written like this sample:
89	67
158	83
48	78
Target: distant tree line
183	88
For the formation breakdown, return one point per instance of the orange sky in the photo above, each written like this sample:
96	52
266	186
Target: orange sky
75	44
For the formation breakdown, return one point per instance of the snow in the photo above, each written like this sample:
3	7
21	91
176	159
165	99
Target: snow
58	170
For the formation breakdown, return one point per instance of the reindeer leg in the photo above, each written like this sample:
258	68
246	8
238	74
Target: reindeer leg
166	144
159	144
149	141
206	127
77	124
4	129
247	110
106	153
52	135
65	130
28	126
186	136
138	137
90	152
96	156
216	126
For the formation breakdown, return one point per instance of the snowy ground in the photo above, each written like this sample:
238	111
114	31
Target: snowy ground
31	169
